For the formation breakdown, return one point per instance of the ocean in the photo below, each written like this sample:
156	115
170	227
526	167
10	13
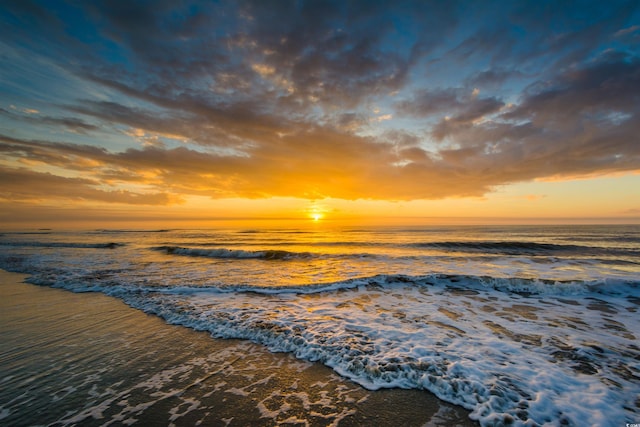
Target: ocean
521	325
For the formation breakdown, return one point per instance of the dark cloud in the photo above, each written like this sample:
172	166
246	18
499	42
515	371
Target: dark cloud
73	124
466	115
301	53
453	107
584	121
429	102
493	78
605	87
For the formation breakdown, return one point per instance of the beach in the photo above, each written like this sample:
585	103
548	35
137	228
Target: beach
320	213
88	359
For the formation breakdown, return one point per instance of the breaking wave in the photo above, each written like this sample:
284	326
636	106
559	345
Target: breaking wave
517	285
233	253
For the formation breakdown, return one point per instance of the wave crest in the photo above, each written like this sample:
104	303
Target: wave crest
233	253
454	283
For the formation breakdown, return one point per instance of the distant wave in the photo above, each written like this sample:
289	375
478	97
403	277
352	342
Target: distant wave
43	231
109	245
506	246
233	254
611	238
254	231
115	231
626	239
518	248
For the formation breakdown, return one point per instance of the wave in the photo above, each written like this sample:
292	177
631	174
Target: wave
109	245
452	283
505	246
24	233
108	280
117	231
511	248
388	332
284	231
623	238
213	250
626	239
233	253
506	372
521	248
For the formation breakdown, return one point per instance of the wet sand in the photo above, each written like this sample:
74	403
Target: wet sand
88	359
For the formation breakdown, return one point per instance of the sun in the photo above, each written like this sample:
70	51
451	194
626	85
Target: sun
315	211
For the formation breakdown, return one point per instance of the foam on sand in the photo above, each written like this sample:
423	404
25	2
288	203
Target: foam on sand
89	359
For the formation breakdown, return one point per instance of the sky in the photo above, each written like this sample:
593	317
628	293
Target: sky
179	112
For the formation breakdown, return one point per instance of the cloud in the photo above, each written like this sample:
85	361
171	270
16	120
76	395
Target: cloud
475	109
32	116
585	93
461	106
20	185
493	78
427	102
313	164
328	52
626	31
583	121
631	212
263	99
383	117
24	110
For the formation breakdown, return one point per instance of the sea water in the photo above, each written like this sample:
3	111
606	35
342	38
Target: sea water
521	325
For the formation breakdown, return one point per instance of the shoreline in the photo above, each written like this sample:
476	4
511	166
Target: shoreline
91	359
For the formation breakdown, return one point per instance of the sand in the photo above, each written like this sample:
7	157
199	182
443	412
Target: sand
89	359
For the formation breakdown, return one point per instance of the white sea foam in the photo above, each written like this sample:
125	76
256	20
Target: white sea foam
505	357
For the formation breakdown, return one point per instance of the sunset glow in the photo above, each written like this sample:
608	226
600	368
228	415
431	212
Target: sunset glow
395	112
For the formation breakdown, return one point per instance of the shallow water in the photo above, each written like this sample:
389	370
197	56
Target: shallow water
522	325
